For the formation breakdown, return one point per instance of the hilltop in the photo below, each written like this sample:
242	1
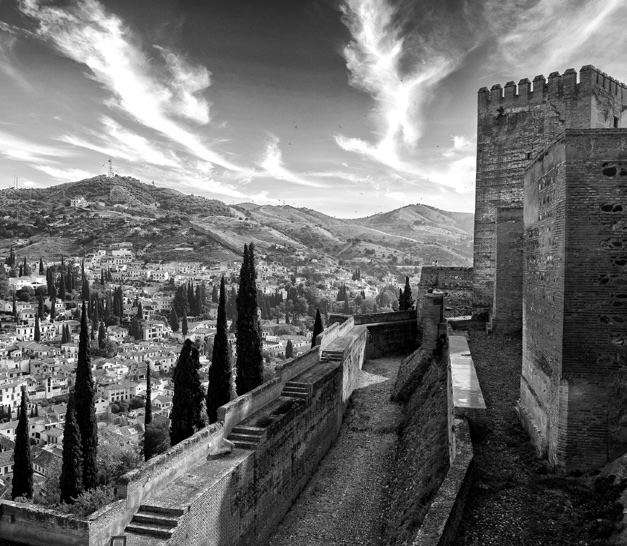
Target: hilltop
75	218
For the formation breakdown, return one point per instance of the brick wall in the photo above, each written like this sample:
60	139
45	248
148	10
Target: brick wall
514	125
243	505
454	282
506	315
573	385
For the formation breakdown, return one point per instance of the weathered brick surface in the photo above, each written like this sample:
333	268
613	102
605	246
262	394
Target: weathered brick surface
454	282
514	125
573	386
506	315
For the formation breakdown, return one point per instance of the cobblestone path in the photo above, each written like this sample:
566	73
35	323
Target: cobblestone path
343	503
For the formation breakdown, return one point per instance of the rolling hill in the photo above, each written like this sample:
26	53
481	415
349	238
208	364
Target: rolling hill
168	225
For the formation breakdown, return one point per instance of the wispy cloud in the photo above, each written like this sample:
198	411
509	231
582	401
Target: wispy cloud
273	166
570	32
19	149
66	175
155	95
399	75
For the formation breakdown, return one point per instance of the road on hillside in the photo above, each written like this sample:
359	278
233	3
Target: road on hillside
343	503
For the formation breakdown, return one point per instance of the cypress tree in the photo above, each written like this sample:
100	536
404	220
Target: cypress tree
85	410
71	479
23	462
289	349
318	328
63	336
184	328
148	418
401	300
221	369
249	358
40	306
41	266
14	306
214	294
147	445
174	320
140	311
102	336
409	301
53	308
62	287
188	395
37	330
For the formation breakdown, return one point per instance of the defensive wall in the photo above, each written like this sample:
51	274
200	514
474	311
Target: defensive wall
514	125
574	379
212	494
456	283
388	333
466	410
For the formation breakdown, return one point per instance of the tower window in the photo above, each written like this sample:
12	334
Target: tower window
615	122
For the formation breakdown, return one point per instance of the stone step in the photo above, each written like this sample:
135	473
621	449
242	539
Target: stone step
163	510
297	388
244	445
251	431
295	394
240	437
149	530
155	519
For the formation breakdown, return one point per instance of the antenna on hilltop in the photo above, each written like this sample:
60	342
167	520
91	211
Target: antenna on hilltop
110	173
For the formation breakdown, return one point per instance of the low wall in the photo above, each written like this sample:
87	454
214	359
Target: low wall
389	333
440	524
342	325
465	406
244	505
454	282
30	524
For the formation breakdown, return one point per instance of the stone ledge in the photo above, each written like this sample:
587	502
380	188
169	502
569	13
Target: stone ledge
440	524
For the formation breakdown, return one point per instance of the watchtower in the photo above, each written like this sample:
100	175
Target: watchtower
514	124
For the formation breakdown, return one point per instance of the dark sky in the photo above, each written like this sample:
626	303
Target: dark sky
350	107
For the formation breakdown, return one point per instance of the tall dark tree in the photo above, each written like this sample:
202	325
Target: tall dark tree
249	358
40	307
135	330
37	336
85	409
140	311
26	268
11	258
184	328
174	320
317	329
221	369
14	306
214	294
71	479
22	460
191	298
405	299
41	266
53	308
102	335
64	338
188	395
148	417
289	349
62	291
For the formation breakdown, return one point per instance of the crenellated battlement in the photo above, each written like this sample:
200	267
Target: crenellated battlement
556	87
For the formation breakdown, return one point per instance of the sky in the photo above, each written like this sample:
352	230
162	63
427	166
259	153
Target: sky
349	107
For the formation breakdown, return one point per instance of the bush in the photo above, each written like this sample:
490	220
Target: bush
90	501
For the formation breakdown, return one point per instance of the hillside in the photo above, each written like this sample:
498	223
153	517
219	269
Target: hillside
170	225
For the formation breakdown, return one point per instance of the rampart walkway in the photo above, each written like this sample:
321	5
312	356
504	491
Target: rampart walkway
344	501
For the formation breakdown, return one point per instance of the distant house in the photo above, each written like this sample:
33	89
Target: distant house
6	462
77	202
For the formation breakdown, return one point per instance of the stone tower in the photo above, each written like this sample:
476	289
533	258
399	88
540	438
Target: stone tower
573	389
514	125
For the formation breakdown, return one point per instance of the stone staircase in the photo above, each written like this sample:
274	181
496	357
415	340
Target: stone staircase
246	437
331	355
156	522
294	389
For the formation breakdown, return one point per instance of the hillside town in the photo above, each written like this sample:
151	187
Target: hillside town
135	325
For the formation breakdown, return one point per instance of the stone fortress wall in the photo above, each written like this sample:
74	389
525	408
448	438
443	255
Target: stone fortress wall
574	376
515	123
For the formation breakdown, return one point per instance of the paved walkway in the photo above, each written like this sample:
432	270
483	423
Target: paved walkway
343	503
